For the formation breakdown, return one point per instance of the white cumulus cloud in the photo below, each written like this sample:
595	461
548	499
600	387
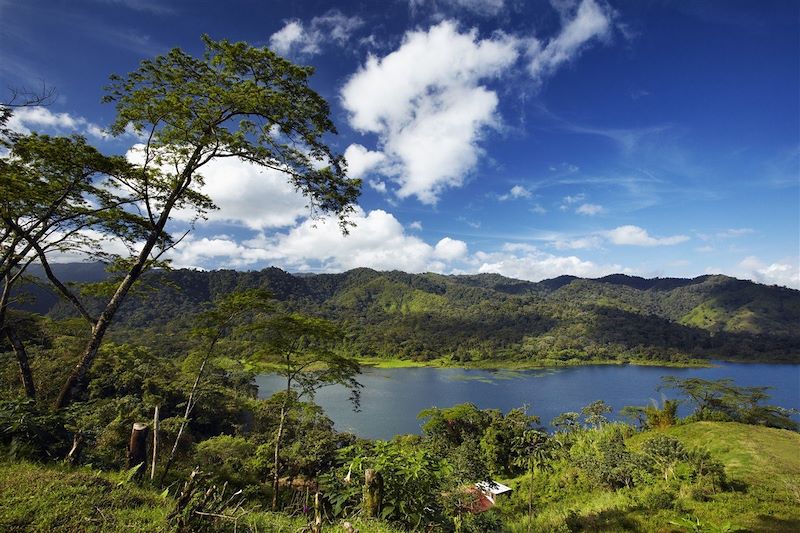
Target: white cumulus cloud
527	262
377	240
450	249
42	119
786	273
296	38
517	191
361	161
245	194
636	236
432	109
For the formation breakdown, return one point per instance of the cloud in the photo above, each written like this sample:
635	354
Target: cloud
591	21
589	209
735	233
538	209
360	160
153	7
38	118
415	225
220	251
295	38
433	109
580	243
248	195
378	185
635	236
484	8
731	233
377	240
574	199
527	262
450	249
435	106
786	273
292	34
517	191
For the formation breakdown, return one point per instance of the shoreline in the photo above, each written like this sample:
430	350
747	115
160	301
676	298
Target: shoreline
390	362
492	365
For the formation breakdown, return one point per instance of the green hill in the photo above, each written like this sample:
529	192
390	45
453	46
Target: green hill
488	318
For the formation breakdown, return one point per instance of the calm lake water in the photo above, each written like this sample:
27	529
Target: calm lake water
391	398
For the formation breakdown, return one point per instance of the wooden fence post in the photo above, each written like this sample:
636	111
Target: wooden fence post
317	527
373	492
155	444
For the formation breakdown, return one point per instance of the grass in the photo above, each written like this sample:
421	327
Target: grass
47	498
55	498
766	460
762	464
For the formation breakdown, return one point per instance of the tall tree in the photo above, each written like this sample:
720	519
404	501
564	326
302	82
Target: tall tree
533	450
228	313
304	353
236	101
56	196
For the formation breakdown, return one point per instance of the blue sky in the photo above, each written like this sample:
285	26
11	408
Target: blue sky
531	139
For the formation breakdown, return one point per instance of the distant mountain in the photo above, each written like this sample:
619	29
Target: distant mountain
489	316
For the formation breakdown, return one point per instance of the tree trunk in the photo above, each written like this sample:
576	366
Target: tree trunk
137	448
75	384
373	493
155	444
277	470
189	406
19	349
22	362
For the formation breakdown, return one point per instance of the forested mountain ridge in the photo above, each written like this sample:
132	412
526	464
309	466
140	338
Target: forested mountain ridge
489	316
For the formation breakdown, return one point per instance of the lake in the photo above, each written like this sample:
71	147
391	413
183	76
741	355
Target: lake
391	398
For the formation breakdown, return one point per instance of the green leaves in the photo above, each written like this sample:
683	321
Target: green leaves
235	101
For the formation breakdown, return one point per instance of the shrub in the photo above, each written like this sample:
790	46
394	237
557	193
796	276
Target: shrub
655	498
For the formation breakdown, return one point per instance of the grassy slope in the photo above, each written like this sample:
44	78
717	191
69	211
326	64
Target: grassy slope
766	459
764	462
53	498
37	498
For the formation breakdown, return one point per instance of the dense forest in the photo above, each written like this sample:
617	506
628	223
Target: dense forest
487	318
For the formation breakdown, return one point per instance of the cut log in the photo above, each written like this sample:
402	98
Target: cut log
137	447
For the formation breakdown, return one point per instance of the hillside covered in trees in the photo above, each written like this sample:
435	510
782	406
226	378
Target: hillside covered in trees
486	318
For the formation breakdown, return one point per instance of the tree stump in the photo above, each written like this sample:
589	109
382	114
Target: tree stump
137	447
373	493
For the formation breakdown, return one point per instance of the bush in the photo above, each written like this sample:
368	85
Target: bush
31	433
228	459
656	498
